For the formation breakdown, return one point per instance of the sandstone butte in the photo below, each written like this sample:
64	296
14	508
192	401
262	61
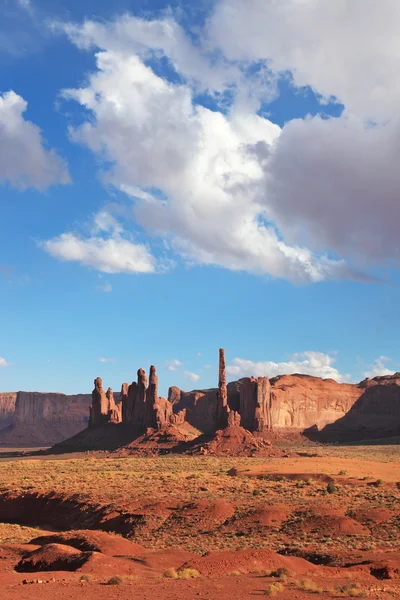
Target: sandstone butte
320	408
41	419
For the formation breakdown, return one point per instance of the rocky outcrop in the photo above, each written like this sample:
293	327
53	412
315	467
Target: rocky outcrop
288	403
222	394
139	405
7	408
114	410
374	415
174	395
299	402
200	407
99	408
41	419
255	404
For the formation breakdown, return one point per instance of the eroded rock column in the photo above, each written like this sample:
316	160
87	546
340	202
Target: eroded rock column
222	394
99	408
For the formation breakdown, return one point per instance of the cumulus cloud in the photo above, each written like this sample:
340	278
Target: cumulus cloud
348	49
24	160
316	364
342	188
193	173
329	183
314	200
107	360
3	363
173	365
193	377
379	367
129	35
112	254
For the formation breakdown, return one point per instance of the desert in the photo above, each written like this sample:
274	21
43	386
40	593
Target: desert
174	498
199	299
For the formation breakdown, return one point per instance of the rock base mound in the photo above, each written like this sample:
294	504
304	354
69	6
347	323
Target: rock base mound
233	441
167	439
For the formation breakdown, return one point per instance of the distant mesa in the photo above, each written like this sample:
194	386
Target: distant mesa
238	418
32	419
138	421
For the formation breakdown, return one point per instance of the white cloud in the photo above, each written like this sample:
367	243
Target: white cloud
208	366
104	360
316	364
200	165
24	160
329	184
342	191
3	363
113	254
379	367
344	48
129	35
193	377
312	201
173	365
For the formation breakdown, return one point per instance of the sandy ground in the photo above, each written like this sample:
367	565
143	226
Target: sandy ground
230	521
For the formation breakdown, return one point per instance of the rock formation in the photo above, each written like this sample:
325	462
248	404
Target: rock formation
222	394
126	408
299	402
7	408
260	405
41	419
99	409
374	415
114	410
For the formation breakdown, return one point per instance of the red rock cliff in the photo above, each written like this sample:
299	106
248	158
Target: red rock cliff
7	408
42	419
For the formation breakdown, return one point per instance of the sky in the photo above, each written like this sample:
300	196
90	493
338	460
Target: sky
179	177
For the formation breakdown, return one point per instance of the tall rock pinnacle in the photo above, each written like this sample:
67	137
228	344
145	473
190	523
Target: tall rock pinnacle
99	408
222	389
222	394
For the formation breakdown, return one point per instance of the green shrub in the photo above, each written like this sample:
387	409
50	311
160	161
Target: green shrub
116	580
331	488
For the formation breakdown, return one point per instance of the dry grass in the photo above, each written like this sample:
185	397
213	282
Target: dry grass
309	585
18	534
172	573
121	482
353	591
274	588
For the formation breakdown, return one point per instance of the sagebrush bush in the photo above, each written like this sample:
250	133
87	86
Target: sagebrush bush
274	588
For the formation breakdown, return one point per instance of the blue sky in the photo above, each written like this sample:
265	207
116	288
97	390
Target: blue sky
177	179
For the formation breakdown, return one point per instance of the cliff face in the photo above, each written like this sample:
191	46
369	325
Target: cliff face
321	408
41	419
375	414
290	402
301	401
36	407
7	408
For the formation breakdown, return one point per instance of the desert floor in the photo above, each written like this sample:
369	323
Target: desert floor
326	523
